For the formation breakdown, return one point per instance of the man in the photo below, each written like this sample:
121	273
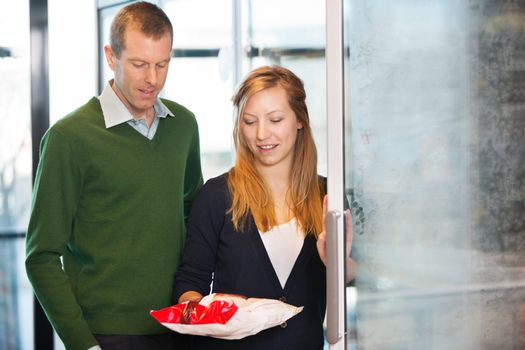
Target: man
114	185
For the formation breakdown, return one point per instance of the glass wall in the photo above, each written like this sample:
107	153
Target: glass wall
16	297
435	100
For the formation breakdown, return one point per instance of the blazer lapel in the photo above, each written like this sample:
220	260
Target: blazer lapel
309	248
301	263
263	258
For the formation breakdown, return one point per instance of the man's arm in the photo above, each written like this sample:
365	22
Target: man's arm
55	197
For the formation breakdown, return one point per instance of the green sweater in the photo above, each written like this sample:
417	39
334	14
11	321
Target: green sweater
113	205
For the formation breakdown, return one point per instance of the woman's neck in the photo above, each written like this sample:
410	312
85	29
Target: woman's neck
278	182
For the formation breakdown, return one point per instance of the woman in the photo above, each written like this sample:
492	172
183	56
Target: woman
253	231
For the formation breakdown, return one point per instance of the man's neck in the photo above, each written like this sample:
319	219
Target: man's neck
148	116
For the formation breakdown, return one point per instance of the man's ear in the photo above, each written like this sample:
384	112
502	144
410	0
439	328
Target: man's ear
110	57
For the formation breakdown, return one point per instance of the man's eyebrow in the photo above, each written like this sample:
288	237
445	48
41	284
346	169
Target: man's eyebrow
136	59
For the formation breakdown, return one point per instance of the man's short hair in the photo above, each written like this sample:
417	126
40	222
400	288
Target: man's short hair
144	16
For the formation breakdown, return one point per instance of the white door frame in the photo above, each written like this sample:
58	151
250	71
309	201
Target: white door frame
336	310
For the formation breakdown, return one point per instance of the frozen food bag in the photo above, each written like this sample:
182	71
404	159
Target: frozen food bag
225	316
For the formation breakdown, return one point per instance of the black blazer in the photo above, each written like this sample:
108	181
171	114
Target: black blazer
240	265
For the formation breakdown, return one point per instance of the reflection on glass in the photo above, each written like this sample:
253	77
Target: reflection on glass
435	157
15	175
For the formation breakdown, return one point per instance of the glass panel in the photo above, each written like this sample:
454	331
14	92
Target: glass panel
15	119
435	158
296	40
289	24
196	84
105	17
16	297
205	84
313	74
200	23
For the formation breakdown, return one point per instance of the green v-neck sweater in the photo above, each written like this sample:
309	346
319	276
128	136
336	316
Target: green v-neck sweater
112	204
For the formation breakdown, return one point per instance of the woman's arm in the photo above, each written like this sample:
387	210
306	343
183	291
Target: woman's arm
195	272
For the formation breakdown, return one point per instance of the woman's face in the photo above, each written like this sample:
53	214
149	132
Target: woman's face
269	127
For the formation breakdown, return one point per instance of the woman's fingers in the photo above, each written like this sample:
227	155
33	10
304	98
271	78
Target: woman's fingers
321	246
325	211
349	234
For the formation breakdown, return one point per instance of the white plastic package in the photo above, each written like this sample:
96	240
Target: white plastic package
231	316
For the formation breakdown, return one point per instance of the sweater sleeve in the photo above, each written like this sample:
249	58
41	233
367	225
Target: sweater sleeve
193	175
55	196
203	233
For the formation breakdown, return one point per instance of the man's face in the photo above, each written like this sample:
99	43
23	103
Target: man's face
141	69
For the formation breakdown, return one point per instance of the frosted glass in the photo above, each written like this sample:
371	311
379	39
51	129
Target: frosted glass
435	128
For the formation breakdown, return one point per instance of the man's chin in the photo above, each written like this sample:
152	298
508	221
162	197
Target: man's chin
145	103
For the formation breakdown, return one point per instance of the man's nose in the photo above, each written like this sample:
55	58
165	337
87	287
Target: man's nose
151	75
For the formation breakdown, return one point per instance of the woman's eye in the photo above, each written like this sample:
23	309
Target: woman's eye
249	122
277	120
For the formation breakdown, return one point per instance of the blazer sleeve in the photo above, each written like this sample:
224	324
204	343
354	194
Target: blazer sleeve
193	176
205	223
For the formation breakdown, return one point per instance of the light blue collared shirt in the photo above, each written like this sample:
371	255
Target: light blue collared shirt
115	113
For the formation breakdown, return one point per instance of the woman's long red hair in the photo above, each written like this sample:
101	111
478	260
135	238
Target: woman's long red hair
250	193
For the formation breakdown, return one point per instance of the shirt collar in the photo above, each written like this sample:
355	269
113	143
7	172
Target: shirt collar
115	112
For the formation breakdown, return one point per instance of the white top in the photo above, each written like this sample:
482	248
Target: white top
283	244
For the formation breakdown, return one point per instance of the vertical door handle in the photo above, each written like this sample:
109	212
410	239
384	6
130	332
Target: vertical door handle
332	277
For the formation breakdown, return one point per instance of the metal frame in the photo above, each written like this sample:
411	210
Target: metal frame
38	18
335	144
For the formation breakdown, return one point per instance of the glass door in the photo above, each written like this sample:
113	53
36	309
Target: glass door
434	162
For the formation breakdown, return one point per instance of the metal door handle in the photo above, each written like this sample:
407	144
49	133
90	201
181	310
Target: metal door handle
332	278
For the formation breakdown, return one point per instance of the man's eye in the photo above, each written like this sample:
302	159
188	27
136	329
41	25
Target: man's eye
138	65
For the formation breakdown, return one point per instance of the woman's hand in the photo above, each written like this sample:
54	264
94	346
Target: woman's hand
190	296
321	238
351	266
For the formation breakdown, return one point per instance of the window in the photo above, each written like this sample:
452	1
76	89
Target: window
16	296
